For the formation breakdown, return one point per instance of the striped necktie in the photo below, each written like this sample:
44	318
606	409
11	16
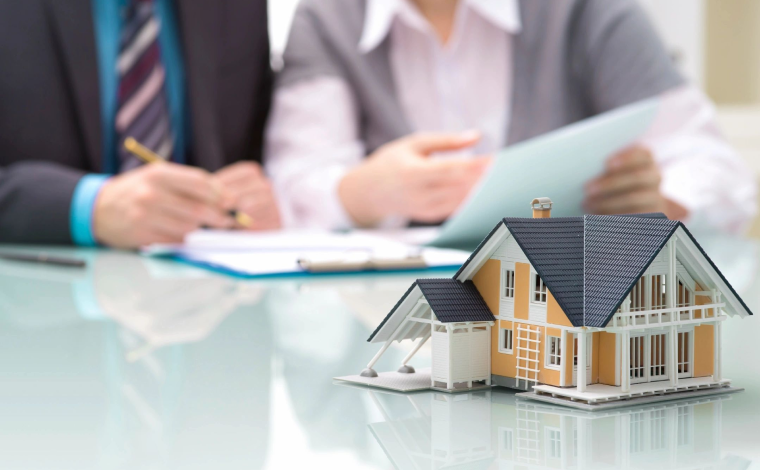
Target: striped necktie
142	110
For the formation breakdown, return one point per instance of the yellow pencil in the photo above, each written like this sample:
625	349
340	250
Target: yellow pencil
148	156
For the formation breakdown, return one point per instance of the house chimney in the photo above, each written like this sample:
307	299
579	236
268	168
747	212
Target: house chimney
542	208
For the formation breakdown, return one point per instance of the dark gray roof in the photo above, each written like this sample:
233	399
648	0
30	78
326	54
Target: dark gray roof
618	251
590	263
555	249
451	301
454	301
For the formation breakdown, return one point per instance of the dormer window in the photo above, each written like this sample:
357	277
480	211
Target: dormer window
539	290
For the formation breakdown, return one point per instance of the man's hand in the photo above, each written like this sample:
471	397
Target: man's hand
400	179
630	184
158	203
250	192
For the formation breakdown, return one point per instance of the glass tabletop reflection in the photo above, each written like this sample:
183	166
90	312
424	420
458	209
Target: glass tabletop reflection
143	363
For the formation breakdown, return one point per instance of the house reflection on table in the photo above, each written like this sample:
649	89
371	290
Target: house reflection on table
493	430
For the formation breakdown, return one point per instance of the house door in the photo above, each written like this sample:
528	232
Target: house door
649	358
589	339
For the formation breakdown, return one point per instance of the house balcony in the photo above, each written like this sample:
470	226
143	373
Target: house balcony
658	391
666	317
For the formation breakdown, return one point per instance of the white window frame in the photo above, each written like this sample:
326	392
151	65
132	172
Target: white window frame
553	437
502	334
542	293
548	353
504	287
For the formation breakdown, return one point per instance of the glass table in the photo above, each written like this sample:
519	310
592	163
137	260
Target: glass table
139	363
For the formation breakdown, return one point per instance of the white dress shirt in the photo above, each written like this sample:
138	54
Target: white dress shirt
313	135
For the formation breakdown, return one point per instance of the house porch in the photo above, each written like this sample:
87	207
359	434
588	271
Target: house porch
598	393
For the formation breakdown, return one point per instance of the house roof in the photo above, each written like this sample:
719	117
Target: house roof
454	301
590	263
451	301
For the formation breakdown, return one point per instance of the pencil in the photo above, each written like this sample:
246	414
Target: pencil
148	156
44	258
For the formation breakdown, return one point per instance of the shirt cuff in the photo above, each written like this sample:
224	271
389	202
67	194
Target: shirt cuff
82	205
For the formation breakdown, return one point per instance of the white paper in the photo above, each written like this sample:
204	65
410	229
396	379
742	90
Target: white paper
271	253
554	165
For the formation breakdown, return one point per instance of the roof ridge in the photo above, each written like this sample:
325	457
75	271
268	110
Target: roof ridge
584	271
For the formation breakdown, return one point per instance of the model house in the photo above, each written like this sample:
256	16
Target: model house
585	310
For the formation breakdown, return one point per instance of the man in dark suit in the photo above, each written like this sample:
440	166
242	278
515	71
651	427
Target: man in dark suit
190	79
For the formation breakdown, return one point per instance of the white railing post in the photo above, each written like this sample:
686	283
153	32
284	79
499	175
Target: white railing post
673	363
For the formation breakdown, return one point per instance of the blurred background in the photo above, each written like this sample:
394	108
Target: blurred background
715	43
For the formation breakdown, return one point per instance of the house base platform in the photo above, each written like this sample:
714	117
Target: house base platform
604	397
417	381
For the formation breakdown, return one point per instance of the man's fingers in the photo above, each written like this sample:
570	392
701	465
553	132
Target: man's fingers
193	183
613	183
427	143
630	158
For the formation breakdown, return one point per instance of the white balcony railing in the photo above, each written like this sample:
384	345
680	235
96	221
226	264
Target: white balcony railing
667	315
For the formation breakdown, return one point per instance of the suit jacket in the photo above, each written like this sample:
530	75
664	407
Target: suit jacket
50	122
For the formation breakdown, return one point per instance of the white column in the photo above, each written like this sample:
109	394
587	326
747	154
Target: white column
411	354
449	378
625	362
671	291
582	360
562	374
490	350
673	362
717	366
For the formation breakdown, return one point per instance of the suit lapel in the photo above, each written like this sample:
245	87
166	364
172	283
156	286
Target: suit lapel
200	29
73	25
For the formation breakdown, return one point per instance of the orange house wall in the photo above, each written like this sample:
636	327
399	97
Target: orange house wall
488	282
522	290
606	358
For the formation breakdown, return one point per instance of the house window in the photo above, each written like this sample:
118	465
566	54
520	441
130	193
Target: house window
554	443
554	352
659	300
539	290
509	284
505	341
